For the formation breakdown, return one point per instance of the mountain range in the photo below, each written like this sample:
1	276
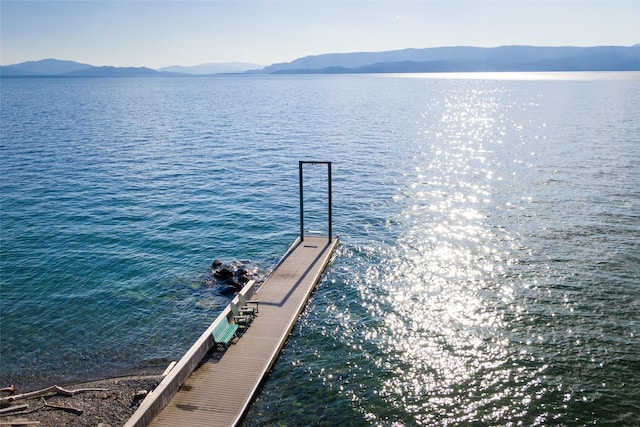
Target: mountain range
442	59
469	59
56	67
208	69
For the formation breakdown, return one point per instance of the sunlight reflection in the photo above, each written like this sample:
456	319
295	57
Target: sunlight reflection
436	294
428	335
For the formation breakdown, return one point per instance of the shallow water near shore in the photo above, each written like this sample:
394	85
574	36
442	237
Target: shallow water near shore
488	270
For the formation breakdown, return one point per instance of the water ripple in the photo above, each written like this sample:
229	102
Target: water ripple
488	266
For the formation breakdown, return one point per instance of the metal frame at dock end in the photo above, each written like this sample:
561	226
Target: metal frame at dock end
329	201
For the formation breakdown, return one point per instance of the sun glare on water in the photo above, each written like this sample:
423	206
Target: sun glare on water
436	299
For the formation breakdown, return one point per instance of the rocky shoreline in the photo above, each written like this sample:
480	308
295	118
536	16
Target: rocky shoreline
110	406
109	402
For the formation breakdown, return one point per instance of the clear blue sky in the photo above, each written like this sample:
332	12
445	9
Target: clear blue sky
183	32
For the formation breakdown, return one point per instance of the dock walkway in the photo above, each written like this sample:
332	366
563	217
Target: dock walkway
219	391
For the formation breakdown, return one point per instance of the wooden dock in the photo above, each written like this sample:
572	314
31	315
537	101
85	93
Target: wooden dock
219	385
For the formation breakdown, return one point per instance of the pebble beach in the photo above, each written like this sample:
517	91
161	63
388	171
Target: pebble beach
110	405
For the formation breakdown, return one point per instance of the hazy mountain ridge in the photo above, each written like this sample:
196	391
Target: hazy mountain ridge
441	59
214	68
48	66
467	59
55	67
115	71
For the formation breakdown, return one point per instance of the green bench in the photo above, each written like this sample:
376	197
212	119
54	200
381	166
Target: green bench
248	307
224	332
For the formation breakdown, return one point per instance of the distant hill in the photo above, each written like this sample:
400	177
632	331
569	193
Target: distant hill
45	67
115	71
203	69
468	59
55	67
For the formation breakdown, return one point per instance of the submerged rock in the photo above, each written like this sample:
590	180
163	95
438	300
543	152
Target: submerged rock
231	277
227	290
223	274
231	282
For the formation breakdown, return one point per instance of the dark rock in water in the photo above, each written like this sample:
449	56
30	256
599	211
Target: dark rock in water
232	276
230	282
227	290
223	273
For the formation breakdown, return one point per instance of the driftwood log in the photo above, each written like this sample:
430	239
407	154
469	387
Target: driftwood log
9	409
63	408
14	408
11	389
5	401
21	423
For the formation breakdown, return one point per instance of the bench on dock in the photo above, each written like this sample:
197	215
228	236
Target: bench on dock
240	319
248	307
224	332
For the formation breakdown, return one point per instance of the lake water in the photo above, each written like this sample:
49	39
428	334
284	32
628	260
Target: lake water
489	265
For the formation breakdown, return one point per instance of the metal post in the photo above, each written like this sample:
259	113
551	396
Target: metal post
301	203
329	184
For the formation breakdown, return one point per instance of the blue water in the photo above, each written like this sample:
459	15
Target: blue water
489	265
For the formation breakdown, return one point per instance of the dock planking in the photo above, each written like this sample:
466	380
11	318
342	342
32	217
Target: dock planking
221	389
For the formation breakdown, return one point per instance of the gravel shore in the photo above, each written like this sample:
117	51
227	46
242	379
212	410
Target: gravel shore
109	408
